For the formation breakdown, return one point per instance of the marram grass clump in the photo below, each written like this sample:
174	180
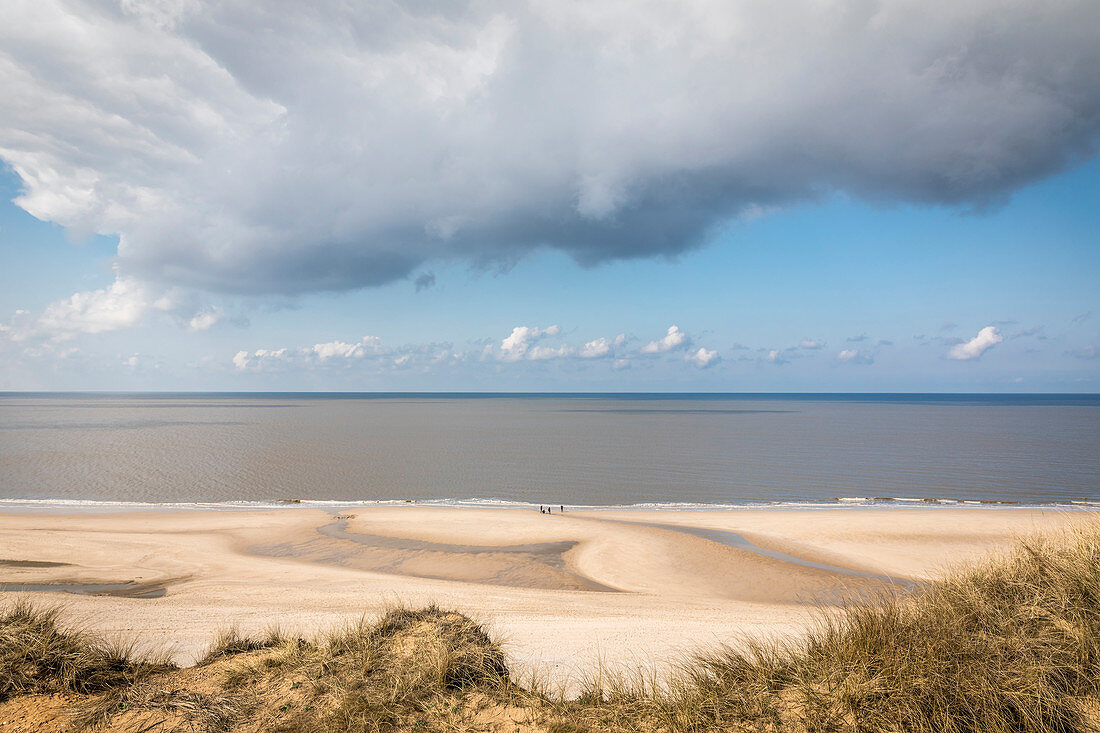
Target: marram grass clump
1010	645
39	654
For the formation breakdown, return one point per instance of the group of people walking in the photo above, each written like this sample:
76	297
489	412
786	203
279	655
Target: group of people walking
550	509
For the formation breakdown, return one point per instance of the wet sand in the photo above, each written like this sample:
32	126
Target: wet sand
565	592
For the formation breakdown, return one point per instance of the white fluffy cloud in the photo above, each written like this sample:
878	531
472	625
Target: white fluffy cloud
204	319
601	347
259	359
329	145
986	339
340	349
674	339
123	304
702	358
855	356
515	346
326	354
523	344
596	348
541	353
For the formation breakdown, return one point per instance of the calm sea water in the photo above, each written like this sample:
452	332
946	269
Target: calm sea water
572	449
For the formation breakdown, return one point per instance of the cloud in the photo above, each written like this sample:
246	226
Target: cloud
1036	331
342	350
330	353
260	359
123	304
811	344
424	281
1085	352
674	339
986	339
775	356
205	319
855	356
702	358
521	344
17	328
334	145
541	353
126	303
133	363
1081	317
53	351
514	346
601	347
857	339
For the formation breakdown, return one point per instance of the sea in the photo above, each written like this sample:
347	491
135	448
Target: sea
596	450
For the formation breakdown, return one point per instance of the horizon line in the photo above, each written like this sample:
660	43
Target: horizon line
7	392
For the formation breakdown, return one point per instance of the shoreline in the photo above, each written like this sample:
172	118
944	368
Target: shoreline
568	592
80	506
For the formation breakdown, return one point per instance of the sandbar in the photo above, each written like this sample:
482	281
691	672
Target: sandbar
564	592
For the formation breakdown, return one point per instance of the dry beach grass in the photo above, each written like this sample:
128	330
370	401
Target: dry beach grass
1010	644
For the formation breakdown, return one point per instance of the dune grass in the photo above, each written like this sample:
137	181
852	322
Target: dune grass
1009	645
410	668
230	641
39	654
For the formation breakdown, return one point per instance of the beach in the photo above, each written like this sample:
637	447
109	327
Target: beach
564	593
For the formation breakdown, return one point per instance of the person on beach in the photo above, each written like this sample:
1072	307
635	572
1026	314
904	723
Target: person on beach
562	507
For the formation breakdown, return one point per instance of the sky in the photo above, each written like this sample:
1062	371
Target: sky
531	196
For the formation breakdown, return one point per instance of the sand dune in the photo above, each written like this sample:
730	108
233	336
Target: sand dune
564	590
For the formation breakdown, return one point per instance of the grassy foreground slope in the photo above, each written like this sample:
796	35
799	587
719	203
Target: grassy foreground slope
1011	645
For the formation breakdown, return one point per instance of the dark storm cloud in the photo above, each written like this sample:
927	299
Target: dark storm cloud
289	147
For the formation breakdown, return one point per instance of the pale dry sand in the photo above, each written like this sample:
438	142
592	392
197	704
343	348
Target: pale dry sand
564	592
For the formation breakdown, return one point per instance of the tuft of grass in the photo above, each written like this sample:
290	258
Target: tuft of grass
150	704
229	642
1006	646
411	667
38	654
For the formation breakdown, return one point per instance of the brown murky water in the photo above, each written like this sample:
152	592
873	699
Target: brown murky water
580	450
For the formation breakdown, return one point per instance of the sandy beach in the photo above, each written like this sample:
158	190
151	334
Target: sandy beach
563	592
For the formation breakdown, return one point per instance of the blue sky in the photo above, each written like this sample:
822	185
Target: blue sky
831	272
681	259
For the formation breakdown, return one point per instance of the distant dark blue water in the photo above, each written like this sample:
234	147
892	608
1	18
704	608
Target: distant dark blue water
580	449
